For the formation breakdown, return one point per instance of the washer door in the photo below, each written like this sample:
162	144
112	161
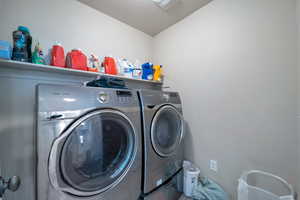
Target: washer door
94	154
166	131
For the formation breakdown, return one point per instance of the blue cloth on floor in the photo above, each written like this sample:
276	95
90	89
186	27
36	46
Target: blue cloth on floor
209	190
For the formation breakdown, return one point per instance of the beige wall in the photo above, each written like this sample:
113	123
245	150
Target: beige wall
75	26
234	62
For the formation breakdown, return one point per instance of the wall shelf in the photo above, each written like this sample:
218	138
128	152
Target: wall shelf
67	71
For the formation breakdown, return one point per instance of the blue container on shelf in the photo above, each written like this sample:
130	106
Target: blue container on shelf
147	71
5	50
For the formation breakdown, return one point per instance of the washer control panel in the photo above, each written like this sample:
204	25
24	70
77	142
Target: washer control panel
117	97
124	96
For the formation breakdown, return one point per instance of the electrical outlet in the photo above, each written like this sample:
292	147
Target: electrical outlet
213	165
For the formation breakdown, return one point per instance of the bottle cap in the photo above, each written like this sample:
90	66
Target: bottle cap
57	44
24	29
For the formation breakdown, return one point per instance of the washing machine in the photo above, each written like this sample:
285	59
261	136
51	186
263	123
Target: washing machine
163	133
88	143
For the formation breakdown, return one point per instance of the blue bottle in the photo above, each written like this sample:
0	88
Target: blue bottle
147	71
5	50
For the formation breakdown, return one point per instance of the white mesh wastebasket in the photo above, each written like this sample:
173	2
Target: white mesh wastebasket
258	185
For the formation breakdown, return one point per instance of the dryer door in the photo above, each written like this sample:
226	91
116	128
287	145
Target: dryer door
166	130
93	154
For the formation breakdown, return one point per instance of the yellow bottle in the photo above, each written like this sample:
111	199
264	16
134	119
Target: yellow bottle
157	76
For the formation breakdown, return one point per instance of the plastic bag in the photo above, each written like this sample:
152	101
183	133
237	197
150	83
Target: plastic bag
266	190
209	190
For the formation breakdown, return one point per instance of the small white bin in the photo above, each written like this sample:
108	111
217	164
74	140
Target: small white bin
190	178
258	185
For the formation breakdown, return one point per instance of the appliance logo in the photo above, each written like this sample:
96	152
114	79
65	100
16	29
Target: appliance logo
166	97
103	97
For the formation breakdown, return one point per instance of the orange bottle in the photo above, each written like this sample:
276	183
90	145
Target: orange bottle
58	56
110	66
157	76
76	60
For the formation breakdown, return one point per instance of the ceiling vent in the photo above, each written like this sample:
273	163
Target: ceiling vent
166	4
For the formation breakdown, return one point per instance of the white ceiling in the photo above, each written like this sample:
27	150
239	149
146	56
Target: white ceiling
144	14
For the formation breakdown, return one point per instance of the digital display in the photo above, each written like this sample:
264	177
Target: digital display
124	93
173	94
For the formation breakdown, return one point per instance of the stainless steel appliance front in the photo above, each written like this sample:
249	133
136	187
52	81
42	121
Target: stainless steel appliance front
163	137
88	149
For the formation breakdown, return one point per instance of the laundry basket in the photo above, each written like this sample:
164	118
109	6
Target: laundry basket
258	185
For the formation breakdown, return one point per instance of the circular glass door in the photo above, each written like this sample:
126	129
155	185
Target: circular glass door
166	131
97	152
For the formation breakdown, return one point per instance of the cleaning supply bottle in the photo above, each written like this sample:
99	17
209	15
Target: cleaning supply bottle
94	63
101	61
147	71
76	59
38	56
58	56
120	67
22	45
5	50
110	66
137	70
157	76
126	68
